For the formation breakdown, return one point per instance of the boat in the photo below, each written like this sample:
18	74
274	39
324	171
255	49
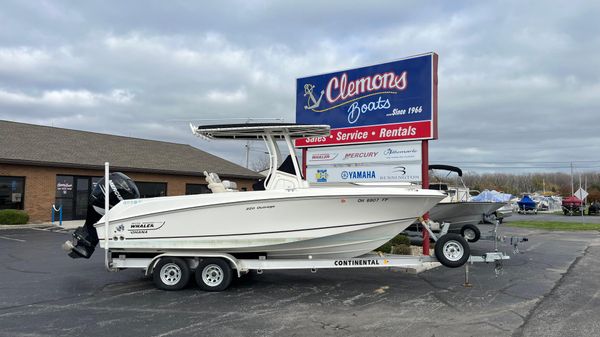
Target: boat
496	197
288	219
526	204
459	208
572	205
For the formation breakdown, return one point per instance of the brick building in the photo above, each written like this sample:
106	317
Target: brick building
41	166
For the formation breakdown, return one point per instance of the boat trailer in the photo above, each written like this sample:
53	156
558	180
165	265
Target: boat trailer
213	271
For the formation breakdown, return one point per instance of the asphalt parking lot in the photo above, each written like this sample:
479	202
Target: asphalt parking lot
550	289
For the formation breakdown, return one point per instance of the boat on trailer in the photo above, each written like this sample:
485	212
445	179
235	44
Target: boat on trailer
288	221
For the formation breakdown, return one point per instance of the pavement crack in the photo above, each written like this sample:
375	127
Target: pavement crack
520	329
26	271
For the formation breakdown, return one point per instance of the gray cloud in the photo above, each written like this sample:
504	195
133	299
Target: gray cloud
510	72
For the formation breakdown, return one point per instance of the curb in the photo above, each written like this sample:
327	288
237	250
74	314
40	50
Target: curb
417	270
28	226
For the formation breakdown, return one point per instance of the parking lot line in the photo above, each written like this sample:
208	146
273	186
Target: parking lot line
7	238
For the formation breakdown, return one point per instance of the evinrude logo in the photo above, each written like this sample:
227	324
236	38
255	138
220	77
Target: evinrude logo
358	175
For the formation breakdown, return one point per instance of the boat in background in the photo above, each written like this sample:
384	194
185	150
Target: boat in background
494	196
572	206
527	205
457	208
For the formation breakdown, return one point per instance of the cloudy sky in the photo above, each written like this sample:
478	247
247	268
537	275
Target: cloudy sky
519	81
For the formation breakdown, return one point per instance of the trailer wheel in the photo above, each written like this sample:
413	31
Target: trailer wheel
452	250
171	273
470	232
213	274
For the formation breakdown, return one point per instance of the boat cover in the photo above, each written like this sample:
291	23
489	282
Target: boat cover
493	196
572	200
526	203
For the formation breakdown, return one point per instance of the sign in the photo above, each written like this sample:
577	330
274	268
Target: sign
395	101
359	154
581	194
64	187
365	173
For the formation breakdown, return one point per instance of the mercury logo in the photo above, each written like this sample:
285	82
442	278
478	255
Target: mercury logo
360	155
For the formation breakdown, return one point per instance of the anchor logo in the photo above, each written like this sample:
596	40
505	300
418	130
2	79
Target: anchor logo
312	102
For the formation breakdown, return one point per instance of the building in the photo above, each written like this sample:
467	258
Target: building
41	166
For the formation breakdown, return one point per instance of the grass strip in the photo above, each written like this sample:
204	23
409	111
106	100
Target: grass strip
555	225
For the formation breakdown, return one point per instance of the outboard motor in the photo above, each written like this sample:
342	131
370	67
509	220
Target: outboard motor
85	238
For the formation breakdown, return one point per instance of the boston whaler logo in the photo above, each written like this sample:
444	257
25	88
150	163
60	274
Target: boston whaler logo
144	226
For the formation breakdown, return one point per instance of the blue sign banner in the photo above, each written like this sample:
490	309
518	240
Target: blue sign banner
400	95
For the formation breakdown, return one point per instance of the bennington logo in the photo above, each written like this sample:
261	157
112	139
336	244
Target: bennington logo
356	263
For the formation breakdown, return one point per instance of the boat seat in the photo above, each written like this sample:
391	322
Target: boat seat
217	186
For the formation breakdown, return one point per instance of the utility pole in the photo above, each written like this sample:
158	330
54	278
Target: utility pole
247	152
572	187
544	186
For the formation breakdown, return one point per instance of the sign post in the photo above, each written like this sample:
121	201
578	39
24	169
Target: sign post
388	102
425	184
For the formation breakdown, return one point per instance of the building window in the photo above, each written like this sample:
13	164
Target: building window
12	192
151	190
196	189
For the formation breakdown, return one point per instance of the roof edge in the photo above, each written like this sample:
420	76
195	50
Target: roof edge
120	168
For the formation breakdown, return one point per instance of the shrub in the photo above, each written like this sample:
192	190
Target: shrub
401	250
13	217
398	240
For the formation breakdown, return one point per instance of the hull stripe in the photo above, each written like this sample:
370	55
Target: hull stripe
263	233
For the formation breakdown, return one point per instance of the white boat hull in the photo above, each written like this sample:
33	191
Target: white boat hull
322	223
460	213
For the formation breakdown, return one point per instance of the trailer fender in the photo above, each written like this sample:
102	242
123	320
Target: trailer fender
233	262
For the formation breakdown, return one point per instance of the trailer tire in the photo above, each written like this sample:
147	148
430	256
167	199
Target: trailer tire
171	273
213	274
452	250
470	232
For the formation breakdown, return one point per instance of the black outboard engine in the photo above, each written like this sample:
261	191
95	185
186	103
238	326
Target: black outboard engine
85	237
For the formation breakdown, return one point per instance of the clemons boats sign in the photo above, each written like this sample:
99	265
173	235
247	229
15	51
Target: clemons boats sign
393	101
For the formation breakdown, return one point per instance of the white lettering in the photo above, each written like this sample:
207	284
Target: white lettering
341	89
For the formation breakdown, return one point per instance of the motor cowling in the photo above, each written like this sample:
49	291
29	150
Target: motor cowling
85	238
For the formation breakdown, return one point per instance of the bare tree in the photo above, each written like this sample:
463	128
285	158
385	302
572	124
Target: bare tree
260	163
